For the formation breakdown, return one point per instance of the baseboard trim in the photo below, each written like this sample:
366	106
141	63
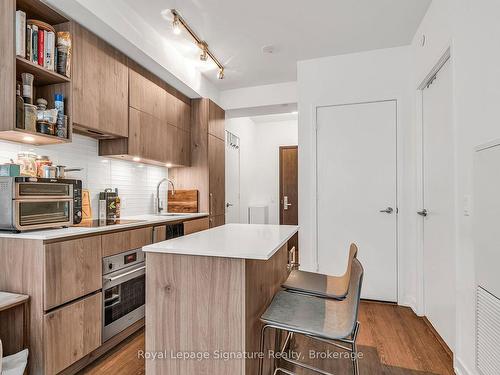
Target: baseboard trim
461	369
438	337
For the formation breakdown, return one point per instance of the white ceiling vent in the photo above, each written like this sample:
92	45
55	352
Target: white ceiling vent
487	332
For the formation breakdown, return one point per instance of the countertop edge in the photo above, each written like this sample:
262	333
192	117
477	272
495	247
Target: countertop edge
83	232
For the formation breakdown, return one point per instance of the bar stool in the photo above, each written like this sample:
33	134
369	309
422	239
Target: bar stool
319	285
326	320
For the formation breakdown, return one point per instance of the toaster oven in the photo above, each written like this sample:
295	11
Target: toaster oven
28	203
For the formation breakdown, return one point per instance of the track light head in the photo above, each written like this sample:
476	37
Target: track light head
204	51
220	75
176	25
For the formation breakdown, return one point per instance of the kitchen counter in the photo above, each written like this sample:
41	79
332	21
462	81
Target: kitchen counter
245	241
205	293
139	221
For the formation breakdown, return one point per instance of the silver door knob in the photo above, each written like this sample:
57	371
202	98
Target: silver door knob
229	205
423	212
388	210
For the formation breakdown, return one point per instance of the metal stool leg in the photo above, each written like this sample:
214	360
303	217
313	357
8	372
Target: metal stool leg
279	369
261	351
354	354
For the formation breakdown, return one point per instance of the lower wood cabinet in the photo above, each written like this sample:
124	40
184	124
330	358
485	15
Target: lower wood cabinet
71	332
119	242
197	225
72	269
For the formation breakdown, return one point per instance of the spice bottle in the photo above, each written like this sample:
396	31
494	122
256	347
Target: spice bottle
19	108
27	87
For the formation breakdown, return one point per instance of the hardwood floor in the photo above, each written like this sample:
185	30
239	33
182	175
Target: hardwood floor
393	340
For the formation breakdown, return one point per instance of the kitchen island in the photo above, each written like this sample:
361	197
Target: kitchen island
205	294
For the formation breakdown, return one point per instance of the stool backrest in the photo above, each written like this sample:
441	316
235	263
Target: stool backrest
340	284
351	302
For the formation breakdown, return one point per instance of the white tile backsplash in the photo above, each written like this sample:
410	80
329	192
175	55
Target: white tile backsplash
136	182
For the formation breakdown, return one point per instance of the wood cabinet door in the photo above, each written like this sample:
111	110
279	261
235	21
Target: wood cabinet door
71	332
159	233
216	166
216	119
149	137
147	96
73	269
100	85
116	243
217	221
183	112
197	225
179	146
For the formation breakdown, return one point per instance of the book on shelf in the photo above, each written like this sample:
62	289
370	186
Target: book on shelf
20	33
29	45
41	47
50	45
34	44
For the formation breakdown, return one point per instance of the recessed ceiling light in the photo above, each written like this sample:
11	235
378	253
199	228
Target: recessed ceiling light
136	158
168	165
29	138
294	112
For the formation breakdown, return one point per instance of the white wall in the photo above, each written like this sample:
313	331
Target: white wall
471	28
136	182
259	161
361	77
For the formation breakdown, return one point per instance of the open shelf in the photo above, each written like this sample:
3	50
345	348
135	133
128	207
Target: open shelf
42	75
28	137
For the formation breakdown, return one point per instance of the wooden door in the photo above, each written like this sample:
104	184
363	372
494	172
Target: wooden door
73	269
216	161
71	332
100	85
289	185
289	188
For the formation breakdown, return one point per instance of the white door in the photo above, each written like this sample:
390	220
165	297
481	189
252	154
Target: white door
439	198
356	182
232	178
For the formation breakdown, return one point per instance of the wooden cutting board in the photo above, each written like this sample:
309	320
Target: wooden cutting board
183	201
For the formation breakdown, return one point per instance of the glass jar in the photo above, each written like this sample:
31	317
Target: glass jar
27	161
40	162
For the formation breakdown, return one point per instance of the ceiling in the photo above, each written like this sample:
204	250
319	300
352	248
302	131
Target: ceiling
236	31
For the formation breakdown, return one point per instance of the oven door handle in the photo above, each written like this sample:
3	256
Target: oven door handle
114	278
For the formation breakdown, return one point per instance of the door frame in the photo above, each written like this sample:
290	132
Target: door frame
445	56
399	181
280	182
226	136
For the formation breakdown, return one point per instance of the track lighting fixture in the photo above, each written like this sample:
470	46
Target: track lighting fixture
176	25
220	74
205	51
204	48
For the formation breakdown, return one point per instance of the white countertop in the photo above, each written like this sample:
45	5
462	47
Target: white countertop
247	241
142	220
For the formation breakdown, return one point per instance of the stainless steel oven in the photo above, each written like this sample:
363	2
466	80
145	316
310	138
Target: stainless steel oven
123	291
34	203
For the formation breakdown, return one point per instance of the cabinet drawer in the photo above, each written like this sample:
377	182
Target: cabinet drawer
71	332
72	270
193	226
119	242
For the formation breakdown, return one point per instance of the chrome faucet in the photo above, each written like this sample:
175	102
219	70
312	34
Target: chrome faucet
159	205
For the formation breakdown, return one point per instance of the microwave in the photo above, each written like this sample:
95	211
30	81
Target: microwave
28	203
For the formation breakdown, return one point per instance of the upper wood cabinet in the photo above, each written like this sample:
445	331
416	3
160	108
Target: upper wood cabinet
100	86
216	121
146	96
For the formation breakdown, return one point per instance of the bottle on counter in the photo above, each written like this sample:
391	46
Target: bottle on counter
19	108
118	203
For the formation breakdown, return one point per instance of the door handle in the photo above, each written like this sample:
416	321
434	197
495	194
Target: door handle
285	203
422	213
229	205
388	210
